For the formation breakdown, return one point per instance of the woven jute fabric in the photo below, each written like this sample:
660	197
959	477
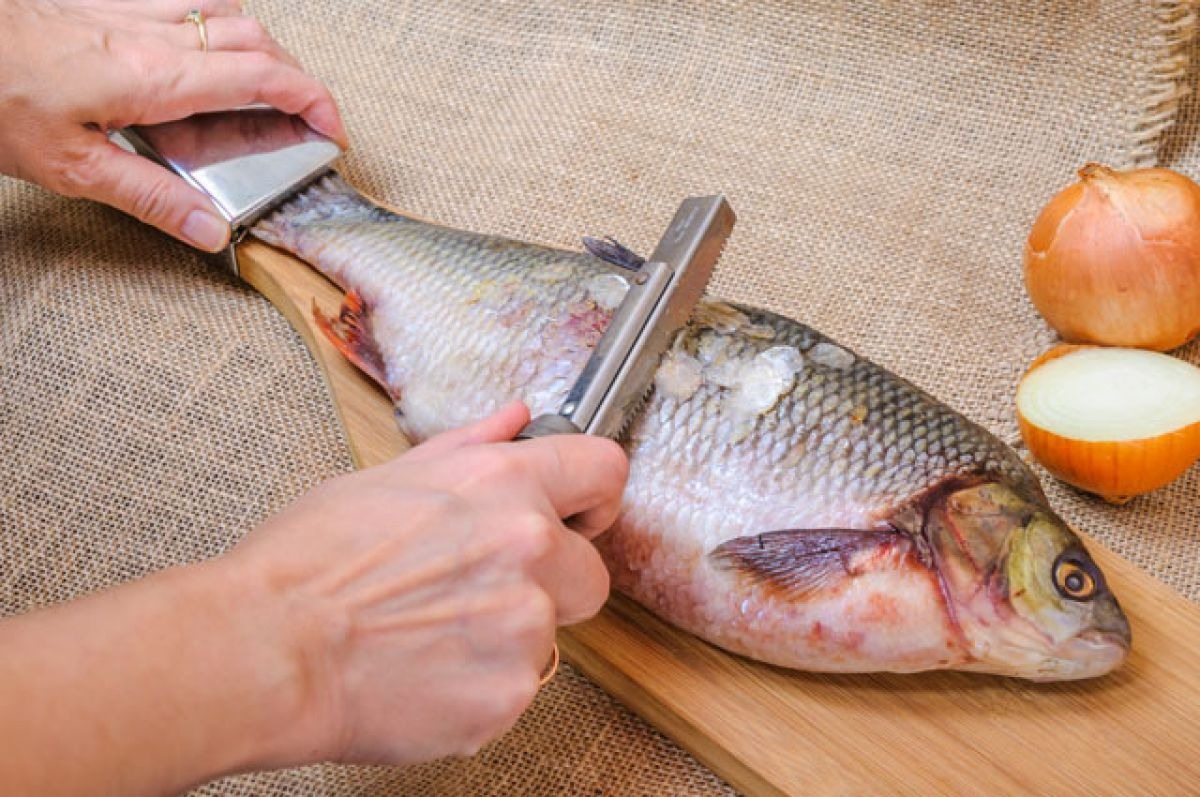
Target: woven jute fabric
885	160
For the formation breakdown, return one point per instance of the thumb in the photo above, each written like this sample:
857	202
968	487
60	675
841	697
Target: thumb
501	425
149	192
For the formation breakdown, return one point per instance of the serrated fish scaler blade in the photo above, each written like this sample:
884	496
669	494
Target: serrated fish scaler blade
662	295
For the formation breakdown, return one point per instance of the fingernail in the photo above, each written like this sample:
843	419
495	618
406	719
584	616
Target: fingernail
205	231
337	134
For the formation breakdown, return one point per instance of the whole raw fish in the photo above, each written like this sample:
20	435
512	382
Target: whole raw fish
787	500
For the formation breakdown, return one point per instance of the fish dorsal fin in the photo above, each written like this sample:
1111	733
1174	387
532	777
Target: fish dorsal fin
611	251
800	562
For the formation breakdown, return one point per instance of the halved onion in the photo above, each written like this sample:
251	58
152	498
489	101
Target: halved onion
1115	422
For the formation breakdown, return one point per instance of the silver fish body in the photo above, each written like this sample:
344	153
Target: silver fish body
788	500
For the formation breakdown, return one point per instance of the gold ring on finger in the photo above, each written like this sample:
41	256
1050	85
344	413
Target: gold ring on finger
196	17
551	668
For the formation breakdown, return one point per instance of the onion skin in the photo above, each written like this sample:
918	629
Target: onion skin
1115	259
1115	470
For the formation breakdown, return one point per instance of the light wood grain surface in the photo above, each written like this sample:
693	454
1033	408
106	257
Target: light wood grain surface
772	731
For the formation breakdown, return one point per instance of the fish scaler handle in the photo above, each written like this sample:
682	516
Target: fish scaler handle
660	300
247	161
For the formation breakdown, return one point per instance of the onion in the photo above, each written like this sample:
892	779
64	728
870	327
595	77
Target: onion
1115	259
1115	422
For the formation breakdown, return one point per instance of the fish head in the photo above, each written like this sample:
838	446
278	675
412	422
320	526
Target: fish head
1021	587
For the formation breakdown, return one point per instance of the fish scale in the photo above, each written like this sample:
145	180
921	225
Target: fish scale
787	499
815	414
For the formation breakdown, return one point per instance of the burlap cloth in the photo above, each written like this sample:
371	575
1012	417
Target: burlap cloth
885	161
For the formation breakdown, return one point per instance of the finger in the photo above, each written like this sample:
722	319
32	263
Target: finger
591	523
176	10
196	82
503	424
575	578
580	474
230	34
149	192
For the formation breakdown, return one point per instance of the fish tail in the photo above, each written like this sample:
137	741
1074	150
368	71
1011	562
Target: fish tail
350	333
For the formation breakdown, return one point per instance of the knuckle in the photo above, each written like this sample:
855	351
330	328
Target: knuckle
532	537
531	613
75	172
541	608
254	33
152	200
497	466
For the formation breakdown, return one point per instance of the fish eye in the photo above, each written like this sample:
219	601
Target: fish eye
1074	578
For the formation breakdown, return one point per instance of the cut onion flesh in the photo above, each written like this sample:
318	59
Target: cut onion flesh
1111	394
1117	422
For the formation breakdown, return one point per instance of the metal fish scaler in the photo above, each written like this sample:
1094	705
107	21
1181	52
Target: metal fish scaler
788	500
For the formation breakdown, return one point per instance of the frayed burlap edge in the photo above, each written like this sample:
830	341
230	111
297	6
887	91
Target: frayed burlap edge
1167	52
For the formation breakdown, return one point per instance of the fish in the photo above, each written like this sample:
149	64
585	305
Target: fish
788	500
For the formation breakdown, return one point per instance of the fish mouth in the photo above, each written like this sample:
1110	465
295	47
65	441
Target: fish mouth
1089	654
1104	638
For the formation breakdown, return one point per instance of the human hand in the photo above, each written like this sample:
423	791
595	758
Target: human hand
398	614
73	69
422	595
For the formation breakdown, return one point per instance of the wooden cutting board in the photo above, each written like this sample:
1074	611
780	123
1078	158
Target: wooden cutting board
772	731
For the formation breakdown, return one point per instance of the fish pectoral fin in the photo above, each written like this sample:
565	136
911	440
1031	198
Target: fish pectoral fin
611	251
350	333
800	562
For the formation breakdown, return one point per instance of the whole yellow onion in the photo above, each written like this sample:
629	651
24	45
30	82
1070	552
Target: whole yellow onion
1115	259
